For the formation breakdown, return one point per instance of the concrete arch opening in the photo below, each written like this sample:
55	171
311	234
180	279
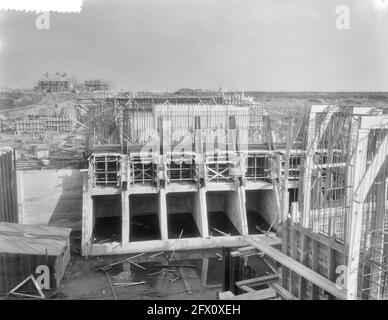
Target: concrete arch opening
182	215
261	210
106	218
223	213
144	217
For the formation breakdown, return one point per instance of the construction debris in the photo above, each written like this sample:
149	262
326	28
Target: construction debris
175	266
104	268
124	284
110	284
15	292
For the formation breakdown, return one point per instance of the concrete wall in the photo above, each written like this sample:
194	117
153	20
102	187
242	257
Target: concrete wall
107	206
180	203
215	201
51	197
263	202
234	211
199	212
143	204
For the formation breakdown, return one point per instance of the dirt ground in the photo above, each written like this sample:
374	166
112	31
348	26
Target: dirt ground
201	279
83	281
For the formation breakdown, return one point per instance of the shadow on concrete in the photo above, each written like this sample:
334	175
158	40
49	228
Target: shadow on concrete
68	211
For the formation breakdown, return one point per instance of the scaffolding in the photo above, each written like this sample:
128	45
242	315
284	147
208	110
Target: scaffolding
374	266
257	166
105	170
342	173
142	169
128	124
181	167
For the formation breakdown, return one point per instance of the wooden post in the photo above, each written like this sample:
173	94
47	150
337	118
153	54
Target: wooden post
227	268
354	229
125	218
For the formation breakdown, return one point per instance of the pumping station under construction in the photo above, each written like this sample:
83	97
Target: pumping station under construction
189	194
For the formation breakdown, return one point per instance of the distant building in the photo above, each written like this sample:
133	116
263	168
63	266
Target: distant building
41	124
60	82
42	151
29	125
97	85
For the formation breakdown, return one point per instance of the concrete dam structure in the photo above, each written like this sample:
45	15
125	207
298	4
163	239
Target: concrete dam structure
199	173
196	174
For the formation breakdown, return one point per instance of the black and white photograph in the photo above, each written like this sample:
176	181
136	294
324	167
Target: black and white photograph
206	150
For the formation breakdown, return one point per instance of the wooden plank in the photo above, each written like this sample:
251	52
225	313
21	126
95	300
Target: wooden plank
282	291
185	281
258	280
227	268
111	286
257	295
204	272
354	226
293	277
247	289
299	268
315	268
303	260
270	265
225	295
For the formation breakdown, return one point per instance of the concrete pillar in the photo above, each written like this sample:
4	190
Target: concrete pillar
87	214
235	212
355	223
200	212
242	198
202	201
125	217
163	214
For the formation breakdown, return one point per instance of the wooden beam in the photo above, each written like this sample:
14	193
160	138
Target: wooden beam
185	281
315	247
374	122
354	226
225	295
257	295
303	260
282	291
299	268
258	280
247	289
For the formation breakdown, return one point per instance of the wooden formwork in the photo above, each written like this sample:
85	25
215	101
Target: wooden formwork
343	170
8	185
132	123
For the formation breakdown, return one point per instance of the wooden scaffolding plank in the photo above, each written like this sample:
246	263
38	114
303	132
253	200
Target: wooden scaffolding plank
299	268
282	291
258	280
257	295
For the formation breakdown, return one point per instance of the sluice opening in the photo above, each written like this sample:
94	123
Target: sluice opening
222	209
261	210
107	219
144	217
182	215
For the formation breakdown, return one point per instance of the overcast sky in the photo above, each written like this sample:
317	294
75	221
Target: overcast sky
266	45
